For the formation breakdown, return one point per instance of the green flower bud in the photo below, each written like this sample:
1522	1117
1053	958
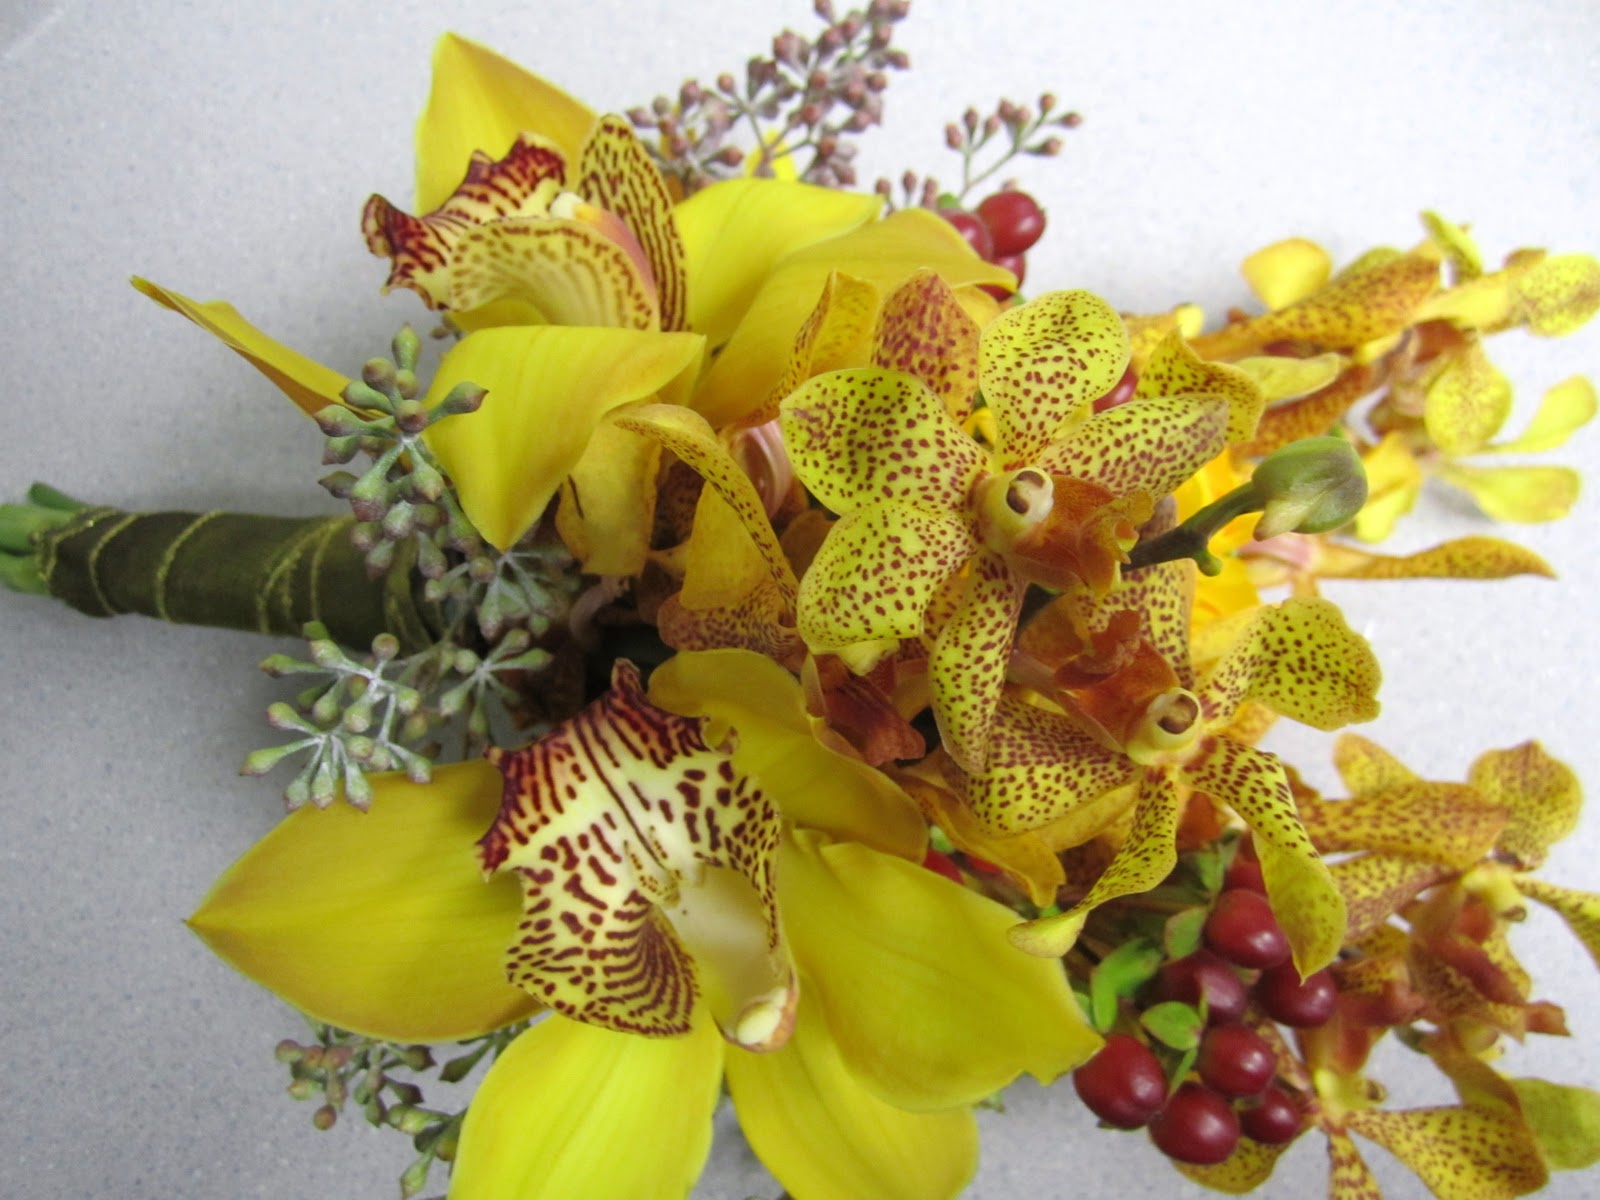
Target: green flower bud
1310	486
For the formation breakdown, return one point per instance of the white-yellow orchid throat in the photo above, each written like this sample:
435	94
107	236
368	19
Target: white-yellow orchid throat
647	866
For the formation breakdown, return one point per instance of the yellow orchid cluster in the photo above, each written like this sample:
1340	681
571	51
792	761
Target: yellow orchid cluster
956	674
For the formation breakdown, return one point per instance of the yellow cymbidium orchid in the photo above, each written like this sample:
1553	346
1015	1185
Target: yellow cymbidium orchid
935	524
655	868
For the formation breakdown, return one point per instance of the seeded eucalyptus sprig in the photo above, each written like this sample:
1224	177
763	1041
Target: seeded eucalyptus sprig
338	1067
812	95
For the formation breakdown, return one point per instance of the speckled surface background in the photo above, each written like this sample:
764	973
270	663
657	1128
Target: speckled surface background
227	156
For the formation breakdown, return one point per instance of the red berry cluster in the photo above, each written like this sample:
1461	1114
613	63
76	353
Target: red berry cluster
1002	230
1229	1088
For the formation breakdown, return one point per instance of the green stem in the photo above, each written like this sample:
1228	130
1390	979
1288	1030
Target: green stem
1192	538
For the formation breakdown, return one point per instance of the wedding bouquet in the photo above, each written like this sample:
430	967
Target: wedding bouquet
773	657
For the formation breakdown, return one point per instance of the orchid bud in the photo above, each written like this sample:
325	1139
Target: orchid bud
1309	486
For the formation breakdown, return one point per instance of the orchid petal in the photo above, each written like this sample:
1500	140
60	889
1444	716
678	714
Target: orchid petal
1301	660
1449	823
1376	886
1286	272
924	332
1366	766
631	836
1349	1177
1247	1168
1467	402
967	669
1150	445
570	1109
1459	1153
1566	408
607	508
1041	366
566	272
1564	1119
1279	378
309	384
836	335
616	173
1456	243
737	231
876	573
1393	482
1460	558
1525	495
824	1135
1041	766
1309	416
1146	857
548	387
896	939
1541	794
1303	895
813	786
422	249
377	922
1559	294
481	102
1176	370
1580	910
869	436
883	253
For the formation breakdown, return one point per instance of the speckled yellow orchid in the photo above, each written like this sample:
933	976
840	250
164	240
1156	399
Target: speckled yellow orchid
932	519
1151	723
1300	560
654	867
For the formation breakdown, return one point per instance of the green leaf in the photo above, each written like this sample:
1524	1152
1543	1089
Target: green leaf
1181	937
1174	1024
1565	1120
1208	868
1120	974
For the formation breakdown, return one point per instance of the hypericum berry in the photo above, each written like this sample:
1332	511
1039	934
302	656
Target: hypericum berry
1236	1061
942	864
1243	930
1286	998
1124	1084
1204	975
1245	872
1273	1119
1013	263
1121	392
971	228
1196	1126
1015	219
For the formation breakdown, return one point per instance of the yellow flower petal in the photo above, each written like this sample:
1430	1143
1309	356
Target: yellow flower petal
1459	1153
836	335
1460	558
616	173
1559	294
548	387
1565	1119
826	1137
1580	910
1151	445
1308	416
1349	1177
1456	243
1376	886
1042	364
1565	409
924	331
1304	897
1467	402
607	508
1449	823
881	938
310	385
1281	378
379	922
1525	495
1301	660
1286	271
967	669
573	1110
1247	1168
480	101
1542	795
813	786
1393	482
1176	370
1366	766
876	573
737	231
883	253
646	862
867	436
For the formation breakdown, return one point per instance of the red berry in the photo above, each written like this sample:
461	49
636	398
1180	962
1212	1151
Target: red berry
1124	1084
971	228
1236	1061
1273	1119
1121	392
1285	997
1013	263
1196	1126
1243	930
1203	974
942	864
1245	873
1015	219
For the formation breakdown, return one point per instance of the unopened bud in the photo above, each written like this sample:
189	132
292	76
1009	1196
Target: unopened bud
1309	486
325	1117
